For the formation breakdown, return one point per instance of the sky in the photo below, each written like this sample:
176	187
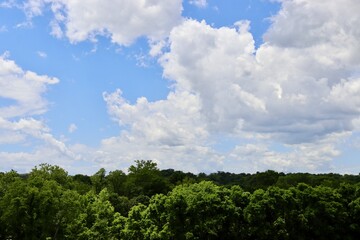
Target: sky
194	85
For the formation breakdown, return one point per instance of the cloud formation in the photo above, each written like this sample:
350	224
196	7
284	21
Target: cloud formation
286	92
299	89
23	88
171	129
133	19
22	95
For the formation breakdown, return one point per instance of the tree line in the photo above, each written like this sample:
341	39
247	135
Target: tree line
149	203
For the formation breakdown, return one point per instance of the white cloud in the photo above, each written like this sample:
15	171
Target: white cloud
8	4
23	162
199	3
175	121
23	92
312	156
156	48
42	54
24	88
171	132
298	89
72	128
10	137
34	7
79	22
34	129
283	91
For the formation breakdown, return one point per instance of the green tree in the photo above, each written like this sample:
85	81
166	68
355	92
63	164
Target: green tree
265	215
37	207
14	217
354	215
197	211
81	183
98	180
134	224
116	182
145	179
96	220
48	172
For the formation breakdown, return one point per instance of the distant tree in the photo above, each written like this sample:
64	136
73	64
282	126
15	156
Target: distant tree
145	179
291	180
96	220
262	180
47	203
178	177
13	209
116	182
197	211
49	172
354	214
98	180
81	183
38	207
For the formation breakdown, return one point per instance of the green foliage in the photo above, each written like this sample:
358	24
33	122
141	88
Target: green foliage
98	180
116	182
81	183
197	211
49	172
38	207
145	179
96	219
148	203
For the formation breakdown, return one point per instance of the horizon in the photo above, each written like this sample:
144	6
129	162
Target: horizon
195	85
186	172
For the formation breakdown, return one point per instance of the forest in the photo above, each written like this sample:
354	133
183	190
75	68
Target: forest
149	203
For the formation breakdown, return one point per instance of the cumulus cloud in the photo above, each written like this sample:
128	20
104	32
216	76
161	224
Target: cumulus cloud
171	132
23	88
24	161
35	134
33	128
310	156
299	89
78	21
271	90
174	121
21	91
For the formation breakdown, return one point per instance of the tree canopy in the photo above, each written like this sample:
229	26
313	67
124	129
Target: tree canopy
149	203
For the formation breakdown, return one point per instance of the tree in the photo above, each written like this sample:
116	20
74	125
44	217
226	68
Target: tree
98	180
197	211
48	172
145	179
81	183
37	207
14	218
116	182
96	220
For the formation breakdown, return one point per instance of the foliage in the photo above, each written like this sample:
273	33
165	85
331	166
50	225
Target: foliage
148	203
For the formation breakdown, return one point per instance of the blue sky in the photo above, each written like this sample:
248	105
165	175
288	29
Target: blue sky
195	85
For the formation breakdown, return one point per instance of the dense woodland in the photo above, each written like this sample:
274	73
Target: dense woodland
148	203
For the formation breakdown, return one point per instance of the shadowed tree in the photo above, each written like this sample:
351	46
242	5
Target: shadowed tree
145	179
